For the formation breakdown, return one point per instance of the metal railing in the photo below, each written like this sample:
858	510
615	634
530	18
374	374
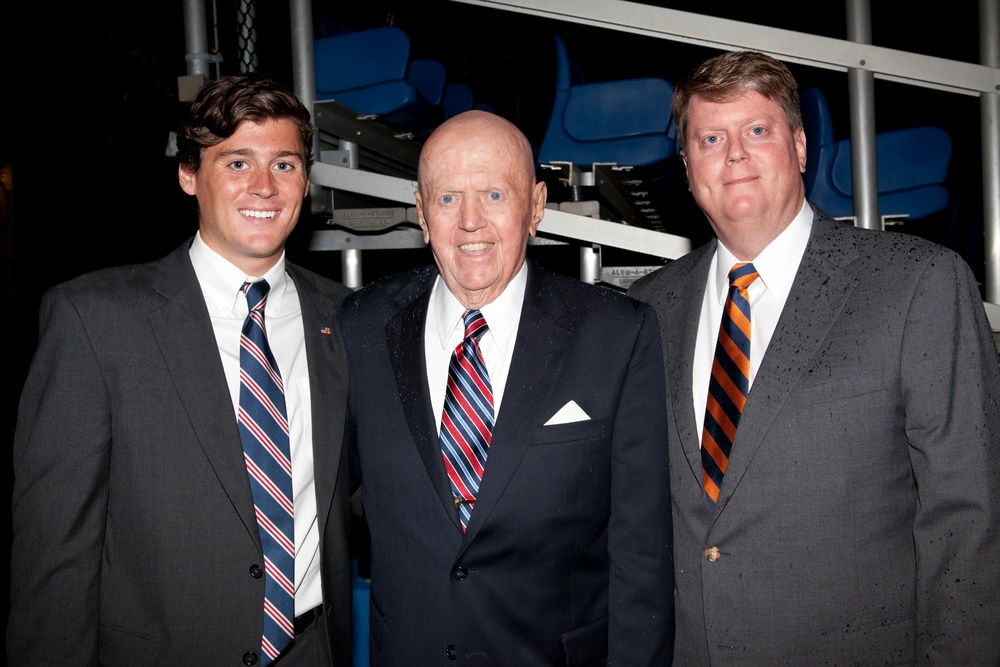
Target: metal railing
863	62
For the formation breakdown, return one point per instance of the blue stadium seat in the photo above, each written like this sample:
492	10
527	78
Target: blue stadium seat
912	166
457	98
429	78
370	72
626	121
359	618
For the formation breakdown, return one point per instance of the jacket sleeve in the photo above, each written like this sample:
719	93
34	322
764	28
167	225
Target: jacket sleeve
641	588
61	459
951	387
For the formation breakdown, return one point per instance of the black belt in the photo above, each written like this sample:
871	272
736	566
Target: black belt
304	620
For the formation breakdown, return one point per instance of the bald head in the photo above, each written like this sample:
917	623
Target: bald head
477	203
478	128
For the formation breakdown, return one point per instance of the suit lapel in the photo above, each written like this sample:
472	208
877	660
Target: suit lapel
818	294
186	340
404	334
680	335
544	334
327	387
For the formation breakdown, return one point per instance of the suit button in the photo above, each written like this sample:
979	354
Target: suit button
459	573
451	652
256	572
713	554
249	658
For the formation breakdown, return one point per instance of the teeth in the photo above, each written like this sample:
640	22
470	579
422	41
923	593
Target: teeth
473	247
258	214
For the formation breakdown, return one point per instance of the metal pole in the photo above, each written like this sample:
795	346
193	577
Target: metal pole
989	106
304	81
303	67
590	264
350	268
304	77
861	90
196	38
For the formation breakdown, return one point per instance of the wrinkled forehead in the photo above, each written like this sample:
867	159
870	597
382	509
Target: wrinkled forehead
749	107
481	160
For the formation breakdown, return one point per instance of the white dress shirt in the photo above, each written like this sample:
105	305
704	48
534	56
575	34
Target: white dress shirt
227	306
444	330
777	265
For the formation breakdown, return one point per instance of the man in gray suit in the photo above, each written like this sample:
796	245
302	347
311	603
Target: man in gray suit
846	510
135	527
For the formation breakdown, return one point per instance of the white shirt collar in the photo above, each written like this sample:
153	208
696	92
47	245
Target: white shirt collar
502	314
777	264
221	280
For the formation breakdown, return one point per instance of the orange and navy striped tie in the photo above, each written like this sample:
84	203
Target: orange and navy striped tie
730	381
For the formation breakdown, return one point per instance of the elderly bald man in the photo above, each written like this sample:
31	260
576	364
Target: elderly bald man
508	423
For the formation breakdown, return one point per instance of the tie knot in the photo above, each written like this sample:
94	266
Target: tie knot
475	324
256	294
741	275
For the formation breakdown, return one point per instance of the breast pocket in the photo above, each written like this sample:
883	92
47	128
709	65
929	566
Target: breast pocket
842	388
587	429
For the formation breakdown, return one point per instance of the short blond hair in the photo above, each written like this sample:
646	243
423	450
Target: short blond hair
728	76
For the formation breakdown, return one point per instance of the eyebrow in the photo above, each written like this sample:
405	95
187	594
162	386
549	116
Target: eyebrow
743	122
247	152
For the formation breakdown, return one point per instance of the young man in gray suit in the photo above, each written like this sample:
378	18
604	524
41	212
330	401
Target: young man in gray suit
511	437
847	510
137	520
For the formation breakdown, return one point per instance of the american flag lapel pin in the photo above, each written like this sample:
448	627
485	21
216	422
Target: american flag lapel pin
325	331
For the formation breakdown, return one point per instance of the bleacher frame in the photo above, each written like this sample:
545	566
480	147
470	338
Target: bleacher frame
862	61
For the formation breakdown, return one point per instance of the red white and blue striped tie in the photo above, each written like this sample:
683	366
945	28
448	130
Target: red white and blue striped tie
730	381
467	423
263	425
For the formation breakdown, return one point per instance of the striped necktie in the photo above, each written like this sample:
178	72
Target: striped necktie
467	422
263	428
730	381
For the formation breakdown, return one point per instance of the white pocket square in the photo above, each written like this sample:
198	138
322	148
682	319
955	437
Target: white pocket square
567	414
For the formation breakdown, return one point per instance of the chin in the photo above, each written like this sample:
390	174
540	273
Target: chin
744	213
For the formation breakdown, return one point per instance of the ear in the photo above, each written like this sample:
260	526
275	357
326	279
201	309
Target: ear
539	194
420	217
187	179
687	172
800	148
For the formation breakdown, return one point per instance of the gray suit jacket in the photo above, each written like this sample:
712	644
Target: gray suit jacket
566	560
859	518
133	522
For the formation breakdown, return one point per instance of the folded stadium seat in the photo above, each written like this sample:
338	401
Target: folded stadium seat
370	72
627	121
328	27
429	78
912	166
457	98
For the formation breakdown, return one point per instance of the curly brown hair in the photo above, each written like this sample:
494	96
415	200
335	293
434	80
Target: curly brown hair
224	103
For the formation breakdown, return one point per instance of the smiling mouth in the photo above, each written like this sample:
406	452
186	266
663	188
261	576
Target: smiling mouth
475	247
263	215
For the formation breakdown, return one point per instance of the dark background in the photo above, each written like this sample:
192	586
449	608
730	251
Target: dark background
89	95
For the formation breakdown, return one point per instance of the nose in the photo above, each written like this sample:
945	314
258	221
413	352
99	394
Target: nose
263	183
471	215
736	150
